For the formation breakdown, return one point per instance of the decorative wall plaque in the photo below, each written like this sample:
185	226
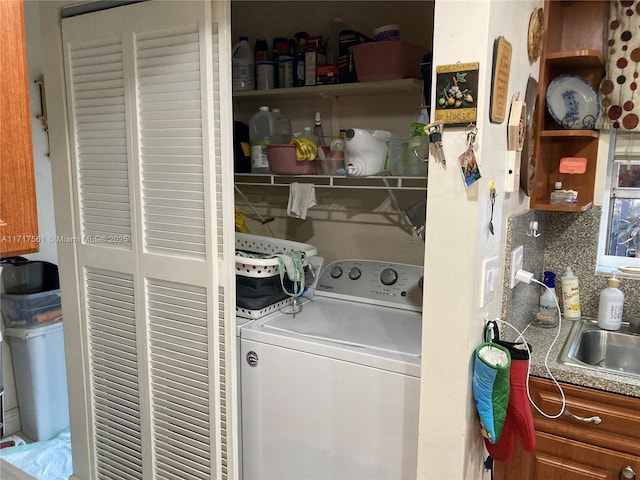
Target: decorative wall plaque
456	93
500	79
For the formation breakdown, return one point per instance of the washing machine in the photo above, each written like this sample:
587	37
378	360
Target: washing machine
332	391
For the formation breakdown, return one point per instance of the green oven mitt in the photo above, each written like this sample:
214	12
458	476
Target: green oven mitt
491	387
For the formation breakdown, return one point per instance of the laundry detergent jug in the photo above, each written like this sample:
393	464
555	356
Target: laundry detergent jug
365	151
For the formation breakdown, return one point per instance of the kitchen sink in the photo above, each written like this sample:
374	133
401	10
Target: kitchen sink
589	346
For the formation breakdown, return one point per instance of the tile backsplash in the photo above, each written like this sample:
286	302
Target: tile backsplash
566	238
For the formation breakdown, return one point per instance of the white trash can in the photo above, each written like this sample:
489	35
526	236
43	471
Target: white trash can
41	379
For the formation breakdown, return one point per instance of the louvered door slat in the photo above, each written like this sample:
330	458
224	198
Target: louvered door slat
114	363
166	138
126	401
164	402
100	135
179	364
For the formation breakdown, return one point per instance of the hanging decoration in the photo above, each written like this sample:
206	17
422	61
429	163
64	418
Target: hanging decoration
500	79
619	96
456	93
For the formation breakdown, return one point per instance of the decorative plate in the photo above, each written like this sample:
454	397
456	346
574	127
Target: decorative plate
535	33
527	158
573	102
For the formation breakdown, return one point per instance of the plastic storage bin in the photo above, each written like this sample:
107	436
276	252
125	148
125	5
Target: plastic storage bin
21	276
41	379
31	311
387	60
282	161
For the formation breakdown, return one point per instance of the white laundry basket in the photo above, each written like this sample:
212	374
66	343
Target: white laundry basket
258	272
41	379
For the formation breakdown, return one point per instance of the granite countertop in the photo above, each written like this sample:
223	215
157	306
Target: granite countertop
541	338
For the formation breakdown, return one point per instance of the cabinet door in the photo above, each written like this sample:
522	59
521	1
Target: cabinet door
18	216
558	457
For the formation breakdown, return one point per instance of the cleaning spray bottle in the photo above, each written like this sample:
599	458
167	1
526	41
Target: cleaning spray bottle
611	305
548	314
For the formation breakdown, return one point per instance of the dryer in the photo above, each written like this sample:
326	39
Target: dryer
332	392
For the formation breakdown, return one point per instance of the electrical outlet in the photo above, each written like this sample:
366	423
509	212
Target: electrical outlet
517	260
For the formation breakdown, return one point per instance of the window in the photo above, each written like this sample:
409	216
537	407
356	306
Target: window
619	237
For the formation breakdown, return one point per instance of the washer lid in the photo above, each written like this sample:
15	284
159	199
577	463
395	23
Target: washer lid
353	324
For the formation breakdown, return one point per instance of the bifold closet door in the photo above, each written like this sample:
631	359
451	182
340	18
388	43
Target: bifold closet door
145	99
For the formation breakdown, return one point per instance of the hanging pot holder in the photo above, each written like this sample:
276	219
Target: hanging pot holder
490	387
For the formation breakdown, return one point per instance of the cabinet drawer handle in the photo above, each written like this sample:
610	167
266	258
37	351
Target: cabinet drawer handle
627	473
596	420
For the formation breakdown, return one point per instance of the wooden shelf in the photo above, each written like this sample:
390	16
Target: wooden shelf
564	208
574	45
410	85
576	59
564	133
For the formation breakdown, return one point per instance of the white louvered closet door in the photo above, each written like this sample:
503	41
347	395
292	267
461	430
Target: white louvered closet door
155	230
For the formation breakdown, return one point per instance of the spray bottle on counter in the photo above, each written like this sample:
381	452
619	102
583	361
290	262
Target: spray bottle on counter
611	305
570	294
548	313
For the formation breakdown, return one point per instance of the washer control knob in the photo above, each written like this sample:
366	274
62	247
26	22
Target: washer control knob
355	273
388	276
336	272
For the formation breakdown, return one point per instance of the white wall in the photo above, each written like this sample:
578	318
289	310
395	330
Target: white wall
44	194
450	442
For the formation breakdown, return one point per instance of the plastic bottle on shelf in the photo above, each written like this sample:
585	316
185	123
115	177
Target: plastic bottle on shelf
570	294
261	131
243	66
298	62
262	51
611	305
317	129
333	39
548	314
307	133
282	127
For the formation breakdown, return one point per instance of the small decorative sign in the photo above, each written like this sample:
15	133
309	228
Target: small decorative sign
500	79
456	93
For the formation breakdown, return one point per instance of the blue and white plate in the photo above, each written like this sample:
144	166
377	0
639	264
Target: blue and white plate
573	102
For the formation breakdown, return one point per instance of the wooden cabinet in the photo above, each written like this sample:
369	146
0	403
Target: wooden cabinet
573	45
571	449
18	215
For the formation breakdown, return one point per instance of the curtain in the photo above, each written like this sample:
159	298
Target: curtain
619	95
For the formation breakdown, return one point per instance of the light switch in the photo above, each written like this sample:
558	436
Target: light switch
489	277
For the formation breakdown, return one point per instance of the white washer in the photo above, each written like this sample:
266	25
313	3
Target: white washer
333	392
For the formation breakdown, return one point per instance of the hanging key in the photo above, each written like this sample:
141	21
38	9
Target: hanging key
434	130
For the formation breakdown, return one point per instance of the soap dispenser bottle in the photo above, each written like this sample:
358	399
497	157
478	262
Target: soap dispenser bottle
548	314
570	294
611	305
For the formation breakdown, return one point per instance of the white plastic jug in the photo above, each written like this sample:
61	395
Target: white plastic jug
365	151
243	66
261	133
282	126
